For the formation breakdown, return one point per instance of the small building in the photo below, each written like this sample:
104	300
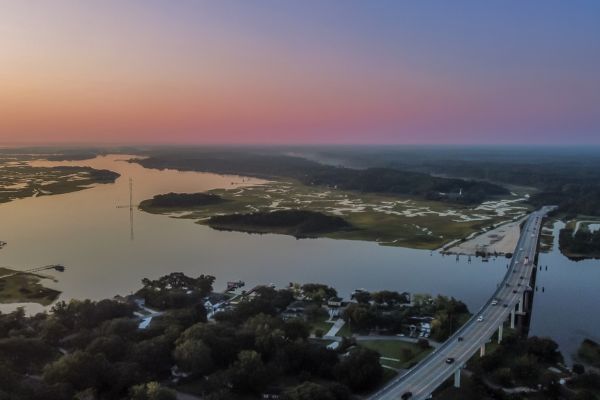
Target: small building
334	302
294	310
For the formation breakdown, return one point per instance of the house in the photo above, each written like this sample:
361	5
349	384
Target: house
334	302
294	310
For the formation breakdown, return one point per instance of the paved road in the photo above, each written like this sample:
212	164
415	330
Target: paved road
432	371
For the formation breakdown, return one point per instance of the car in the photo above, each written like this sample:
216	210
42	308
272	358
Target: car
480	318
449	360
494	302
514	291
505	305
460	338
406	395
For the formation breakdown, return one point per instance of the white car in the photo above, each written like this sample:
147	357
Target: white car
480	318
494	302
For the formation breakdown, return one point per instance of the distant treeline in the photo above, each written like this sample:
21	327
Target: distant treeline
174	200
386	180
371	180
572	198
584	243
99	175
541	175
298	223
573	186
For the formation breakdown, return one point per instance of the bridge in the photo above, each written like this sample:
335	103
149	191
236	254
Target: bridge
509	300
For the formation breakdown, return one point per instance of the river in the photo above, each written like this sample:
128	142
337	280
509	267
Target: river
565	304
90	235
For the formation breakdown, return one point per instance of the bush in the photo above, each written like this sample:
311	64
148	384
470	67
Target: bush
360	370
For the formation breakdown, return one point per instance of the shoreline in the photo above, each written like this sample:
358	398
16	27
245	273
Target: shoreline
501	240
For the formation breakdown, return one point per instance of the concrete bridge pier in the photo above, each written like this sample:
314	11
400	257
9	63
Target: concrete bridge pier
520	306
512	319
482	350
457	378
500	328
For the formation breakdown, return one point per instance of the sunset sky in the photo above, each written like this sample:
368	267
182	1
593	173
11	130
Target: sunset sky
314	71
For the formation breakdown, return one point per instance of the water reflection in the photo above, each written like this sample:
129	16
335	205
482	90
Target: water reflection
88	233
566	307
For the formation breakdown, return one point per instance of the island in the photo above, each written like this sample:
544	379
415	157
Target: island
20	180
390	220
177	201
19	287
579	244
297	223
388	206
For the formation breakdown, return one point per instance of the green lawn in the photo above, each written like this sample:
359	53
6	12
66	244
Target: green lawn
345	331
405	353
321	324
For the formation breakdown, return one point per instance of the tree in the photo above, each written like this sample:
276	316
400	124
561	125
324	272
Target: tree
23	354
503	376
113	347
362	297
318	292
154	354
361	317
151	391
249	374
267	331
194	356
309	391
546	350
80	369
224	341
360	370
296	329
52	331
390	298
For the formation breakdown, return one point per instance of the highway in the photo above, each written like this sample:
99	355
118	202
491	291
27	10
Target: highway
432	371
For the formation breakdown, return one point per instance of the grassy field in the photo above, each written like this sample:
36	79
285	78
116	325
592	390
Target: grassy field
24	288
388	220
321	324
395	353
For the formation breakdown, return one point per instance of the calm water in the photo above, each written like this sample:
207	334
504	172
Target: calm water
91	236
567	308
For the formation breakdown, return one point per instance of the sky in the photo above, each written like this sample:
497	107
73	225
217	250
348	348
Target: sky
299	72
